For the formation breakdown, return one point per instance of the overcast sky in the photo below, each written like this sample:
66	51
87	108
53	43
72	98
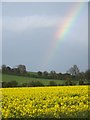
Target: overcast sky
28	32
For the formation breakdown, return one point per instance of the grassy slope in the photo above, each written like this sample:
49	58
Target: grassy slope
21	79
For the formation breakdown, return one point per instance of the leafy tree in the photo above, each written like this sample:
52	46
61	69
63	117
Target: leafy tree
16	71
53	75
19	70
60	76
39	73
4	68
66	76
8	69
45	73
22	69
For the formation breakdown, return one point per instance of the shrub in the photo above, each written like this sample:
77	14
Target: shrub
24	84
9	84
52	83
35	84
69	82
4	84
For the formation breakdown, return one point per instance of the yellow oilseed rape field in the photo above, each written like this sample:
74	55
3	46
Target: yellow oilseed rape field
45	102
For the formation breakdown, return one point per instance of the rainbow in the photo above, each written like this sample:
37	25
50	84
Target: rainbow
63	31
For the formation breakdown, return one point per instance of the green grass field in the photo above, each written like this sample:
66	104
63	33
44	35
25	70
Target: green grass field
21	79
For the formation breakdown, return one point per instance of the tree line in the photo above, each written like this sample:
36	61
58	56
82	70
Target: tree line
40	84
70	76
18	70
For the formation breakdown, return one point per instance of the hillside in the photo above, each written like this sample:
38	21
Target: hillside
21	79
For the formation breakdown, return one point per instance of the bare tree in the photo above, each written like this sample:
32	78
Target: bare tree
74	70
